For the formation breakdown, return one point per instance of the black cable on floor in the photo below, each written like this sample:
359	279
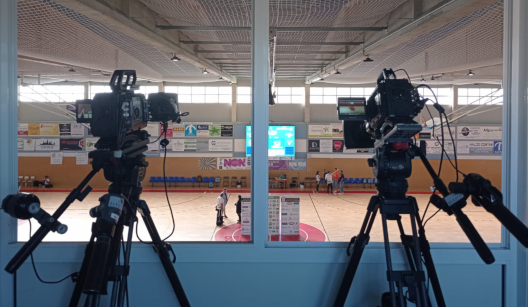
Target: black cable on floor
326	234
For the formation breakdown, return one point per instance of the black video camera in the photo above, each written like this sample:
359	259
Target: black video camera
113	115
393	102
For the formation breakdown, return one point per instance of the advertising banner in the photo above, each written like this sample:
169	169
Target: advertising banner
71	144
290	215
81	158
90	144
65	129
207	163
22	129
202	130
47	144
202	145
226	131
273	215
175	145
314	146
49	129
233	163
297	165
337	130
479	132
220	145
437	132
319	131
152	145
77	130
189	145
169	130
20	144
33	129
152	129
278	165
56	158
326	145
215	131
433	147
178	131
245	224
475	147
338	145
190	130
497	147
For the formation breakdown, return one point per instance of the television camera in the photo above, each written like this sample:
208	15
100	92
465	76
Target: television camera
386	122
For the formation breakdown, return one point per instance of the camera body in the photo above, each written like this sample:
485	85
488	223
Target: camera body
113	115
394	101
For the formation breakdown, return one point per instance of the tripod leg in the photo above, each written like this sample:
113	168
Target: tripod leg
422	297
388	260
162	249
428	261
357	251
77	291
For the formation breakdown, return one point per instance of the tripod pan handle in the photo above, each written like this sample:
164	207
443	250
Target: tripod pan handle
511	222
473	236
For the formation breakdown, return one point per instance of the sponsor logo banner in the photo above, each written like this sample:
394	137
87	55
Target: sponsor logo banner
22	129
47	144
202	145
207	163
33	129
178	131
169	130
314	146
297	165
479	132
278	164
215	131
49	129
233	163
338	145
326	145
90	143
190	130
152	145
497	147
433	147
319	131
152	129
475	147
65	129
220	145
226	131
202	130
337	130
71	144
189	145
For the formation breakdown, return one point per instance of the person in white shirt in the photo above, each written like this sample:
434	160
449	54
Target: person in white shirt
225	198
219	203
317	181
328	179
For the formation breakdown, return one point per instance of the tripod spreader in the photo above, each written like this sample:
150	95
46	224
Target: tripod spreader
485	195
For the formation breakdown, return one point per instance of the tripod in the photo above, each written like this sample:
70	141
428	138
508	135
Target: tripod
392	167
125	169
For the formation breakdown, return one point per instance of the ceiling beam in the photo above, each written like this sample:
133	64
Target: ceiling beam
279	29
278	52
403	28
115	14
278	44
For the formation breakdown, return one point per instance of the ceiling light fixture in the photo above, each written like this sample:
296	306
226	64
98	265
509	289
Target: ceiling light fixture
470	73
423	80
71	69
337	72
205	72
368	59
432	78
174	58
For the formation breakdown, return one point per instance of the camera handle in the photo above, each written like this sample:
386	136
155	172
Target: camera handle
452	205
116	82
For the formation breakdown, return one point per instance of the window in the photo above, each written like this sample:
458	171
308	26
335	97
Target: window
328	95
147	89
289	95
95	89
443	94
201	94
479	96
244	94
51	93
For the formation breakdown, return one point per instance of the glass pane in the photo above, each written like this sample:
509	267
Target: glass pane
225	90
445	100
244	90
211	98
462	91
172	89
444	91
498	93
198	90
186	90
284	91
224	98
369	90
284	99
343	91
211	90
297	91
243	99
356	92
330	99
297	99
184	98
198	98
316	91
329	91
462	100
150	89
316	99
473	92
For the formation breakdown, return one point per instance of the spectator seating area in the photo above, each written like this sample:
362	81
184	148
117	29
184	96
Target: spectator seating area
199	181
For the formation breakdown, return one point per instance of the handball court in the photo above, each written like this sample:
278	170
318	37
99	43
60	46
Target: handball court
334	218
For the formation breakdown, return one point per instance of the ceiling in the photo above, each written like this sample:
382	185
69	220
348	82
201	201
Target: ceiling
55	37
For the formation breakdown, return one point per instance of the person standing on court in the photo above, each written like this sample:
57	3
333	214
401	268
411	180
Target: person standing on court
317	181
335	178
341	181
225	198
238	205
328	179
